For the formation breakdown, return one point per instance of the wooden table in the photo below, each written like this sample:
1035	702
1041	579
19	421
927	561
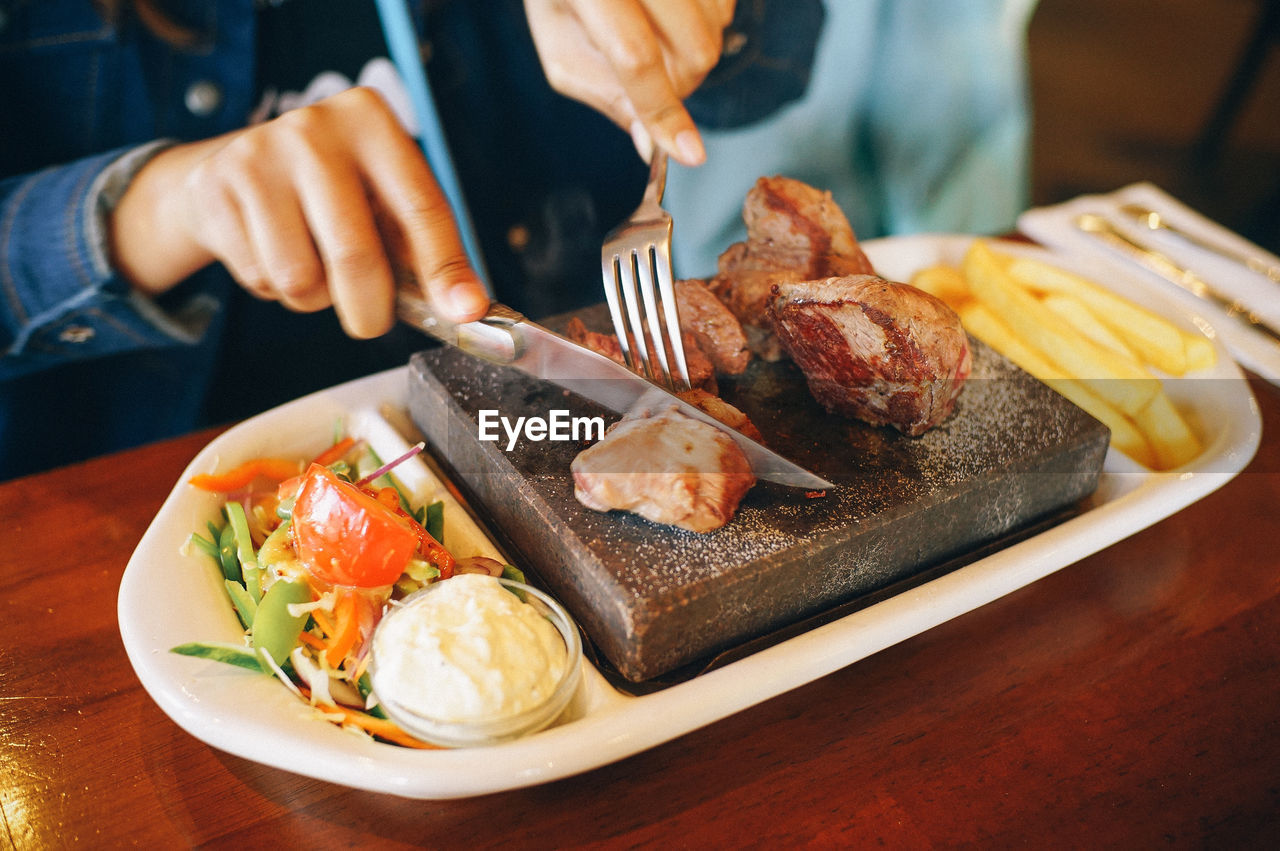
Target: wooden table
1132	699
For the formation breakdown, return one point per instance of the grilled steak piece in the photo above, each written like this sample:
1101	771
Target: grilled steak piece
716	330
881	352
601	344
714	406
702	374
794	233
701	398
666	467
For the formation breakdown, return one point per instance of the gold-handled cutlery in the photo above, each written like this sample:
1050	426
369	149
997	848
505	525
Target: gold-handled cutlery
1153	220
1105	230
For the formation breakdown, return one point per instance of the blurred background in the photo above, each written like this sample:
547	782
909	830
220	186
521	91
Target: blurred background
1128	90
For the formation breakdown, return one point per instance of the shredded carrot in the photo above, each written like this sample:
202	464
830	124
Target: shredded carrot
335	452
380	727
322	619
310	639
346	630
275	469
361	666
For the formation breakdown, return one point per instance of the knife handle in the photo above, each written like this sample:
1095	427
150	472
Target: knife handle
1152	220
492	336
1172	272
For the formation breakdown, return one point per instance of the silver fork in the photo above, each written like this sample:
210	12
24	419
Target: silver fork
636	264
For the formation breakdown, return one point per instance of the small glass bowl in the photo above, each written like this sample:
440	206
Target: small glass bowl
459	734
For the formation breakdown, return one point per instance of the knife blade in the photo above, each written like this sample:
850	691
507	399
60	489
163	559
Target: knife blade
1105	230
506	337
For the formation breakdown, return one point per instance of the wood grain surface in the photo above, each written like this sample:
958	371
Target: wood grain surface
1128	699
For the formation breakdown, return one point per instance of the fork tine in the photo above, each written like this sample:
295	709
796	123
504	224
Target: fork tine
639	289
659	301
653	324
610	264
627	280
666	290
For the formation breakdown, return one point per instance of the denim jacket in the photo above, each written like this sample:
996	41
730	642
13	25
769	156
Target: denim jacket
86	365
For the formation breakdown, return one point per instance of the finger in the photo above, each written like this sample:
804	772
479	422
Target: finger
642	140
356	268
691	35
337	212
289	257
280	238
623	32
219	226
573	65
413	203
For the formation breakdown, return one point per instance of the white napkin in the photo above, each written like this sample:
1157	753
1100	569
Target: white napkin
1054	227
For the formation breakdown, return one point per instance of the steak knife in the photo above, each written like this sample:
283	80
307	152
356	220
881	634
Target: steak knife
506	337
1105	230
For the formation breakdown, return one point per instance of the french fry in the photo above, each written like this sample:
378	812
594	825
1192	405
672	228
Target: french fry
1120	381
1156	340
979	321
1054	325
1078	315
1200	353
943	282
1125	436
1172	440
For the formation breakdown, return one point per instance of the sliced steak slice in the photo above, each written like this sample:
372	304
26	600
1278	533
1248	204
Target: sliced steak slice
713	326
714	406
667	468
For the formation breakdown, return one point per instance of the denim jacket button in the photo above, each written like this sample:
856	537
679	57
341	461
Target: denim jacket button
76	334
203	98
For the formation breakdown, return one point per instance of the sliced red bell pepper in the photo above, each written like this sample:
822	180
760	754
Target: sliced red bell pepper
238	478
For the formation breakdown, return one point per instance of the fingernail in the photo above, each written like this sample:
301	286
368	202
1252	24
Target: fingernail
689	147
642	140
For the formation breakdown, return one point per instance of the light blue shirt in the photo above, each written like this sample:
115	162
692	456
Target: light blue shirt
915	117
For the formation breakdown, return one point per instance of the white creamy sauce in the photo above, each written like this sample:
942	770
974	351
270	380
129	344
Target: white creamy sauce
469	650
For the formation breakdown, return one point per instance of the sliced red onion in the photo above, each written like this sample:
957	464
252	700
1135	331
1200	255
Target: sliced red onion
413	450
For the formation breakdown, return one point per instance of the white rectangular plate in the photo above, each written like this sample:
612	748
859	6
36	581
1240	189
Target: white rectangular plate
168	597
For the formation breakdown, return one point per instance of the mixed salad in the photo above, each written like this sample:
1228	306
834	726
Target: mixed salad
311	553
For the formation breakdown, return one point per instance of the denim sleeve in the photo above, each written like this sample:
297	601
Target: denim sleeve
60	300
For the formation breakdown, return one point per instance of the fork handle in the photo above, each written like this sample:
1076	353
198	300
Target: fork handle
492	336
656	187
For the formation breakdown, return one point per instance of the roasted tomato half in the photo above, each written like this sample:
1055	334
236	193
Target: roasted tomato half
344	536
